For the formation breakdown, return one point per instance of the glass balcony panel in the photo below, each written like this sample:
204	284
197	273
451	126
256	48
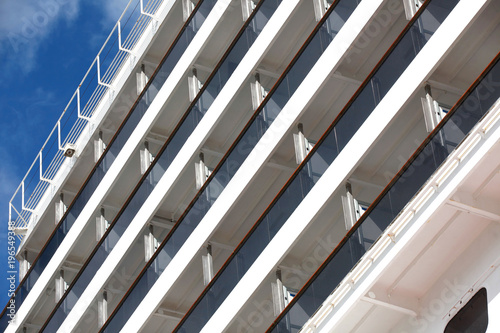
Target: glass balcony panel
357	113
217	293
201	315
247	256
337	18
199	17
308	302
301	68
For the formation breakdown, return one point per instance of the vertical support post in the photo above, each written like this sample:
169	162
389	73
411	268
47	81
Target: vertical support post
141	79
247	7
102	309
278	294
201	172
150	244
99	147
143	12
187	9
145	158
60	208
60	285
411	7
432	111
99	75
22	194
208	266
10	214
78	105
101	225
24	265
120	46
78	101
348	205
194	85
22	201
59	135
258	92
41	162
320	7
41	169
155	20
302	145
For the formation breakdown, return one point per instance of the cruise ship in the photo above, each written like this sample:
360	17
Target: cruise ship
271	166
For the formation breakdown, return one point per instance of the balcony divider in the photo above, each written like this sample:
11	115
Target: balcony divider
373	89
440	143
197	109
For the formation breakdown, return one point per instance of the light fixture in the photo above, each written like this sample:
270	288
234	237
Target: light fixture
69	150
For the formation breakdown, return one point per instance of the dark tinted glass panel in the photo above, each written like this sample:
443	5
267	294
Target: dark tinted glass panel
473	317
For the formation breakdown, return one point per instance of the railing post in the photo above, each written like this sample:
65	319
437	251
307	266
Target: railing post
146	13
22	200
41	172
120	47
78	105
99	75
59	135
155	20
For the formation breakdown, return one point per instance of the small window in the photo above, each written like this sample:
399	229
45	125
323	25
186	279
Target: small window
473	317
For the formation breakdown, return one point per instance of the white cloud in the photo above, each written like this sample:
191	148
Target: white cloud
114	8
24	25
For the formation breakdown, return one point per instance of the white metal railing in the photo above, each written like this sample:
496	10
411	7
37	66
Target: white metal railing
103	85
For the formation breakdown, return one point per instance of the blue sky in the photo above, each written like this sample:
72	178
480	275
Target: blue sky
46	47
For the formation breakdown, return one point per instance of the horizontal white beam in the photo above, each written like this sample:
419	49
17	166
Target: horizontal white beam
222	246
473	210
445	87
389	306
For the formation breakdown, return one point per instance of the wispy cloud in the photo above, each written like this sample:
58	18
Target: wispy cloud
113	8
24	25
